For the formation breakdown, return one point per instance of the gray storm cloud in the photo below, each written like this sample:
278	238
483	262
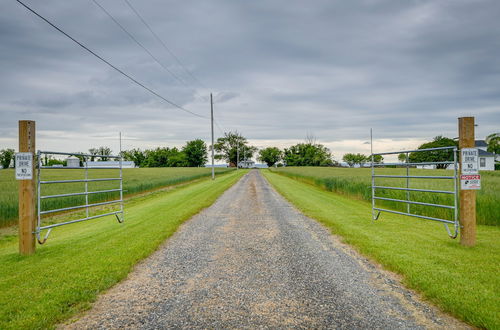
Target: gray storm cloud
278	70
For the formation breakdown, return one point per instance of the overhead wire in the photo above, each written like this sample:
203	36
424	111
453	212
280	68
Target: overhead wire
109	63
164	45
141	45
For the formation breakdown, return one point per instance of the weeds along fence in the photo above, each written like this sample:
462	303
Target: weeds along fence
356	182
136	180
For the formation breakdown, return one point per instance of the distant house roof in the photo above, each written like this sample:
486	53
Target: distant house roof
483	153
481	143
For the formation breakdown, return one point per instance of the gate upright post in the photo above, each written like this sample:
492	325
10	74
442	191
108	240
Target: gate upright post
467	197
27	209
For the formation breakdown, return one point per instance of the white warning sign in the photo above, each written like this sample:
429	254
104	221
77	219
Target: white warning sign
24	166
470	182
469	161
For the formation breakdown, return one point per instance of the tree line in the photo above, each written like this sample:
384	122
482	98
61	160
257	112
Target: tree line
234	147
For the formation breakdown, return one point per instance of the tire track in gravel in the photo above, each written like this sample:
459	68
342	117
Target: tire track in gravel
251	260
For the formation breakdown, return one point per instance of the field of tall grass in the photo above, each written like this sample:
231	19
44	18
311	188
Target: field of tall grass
356	182
135	180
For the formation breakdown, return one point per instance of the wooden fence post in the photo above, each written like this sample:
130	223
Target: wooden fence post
467	197
27	208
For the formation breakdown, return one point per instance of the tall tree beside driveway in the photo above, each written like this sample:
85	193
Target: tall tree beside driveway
196	153
270	155
307	154
435	155
226	148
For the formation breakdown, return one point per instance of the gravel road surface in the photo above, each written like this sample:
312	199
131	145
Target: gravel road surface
252	260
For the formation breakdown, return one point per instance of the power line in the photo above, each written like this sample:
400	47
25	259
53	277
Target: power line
163	44
108	63
139	43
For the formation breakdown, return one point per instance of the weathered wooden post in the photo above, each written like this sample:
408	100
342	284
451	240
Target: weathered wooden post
25	169
468	171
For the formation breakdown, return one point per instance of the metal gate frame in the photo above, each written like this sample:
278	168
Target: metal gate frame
85	193
408	201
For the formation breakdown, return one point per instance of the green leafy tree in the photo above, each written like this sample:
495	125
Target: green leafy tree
307	154
136	155
352	159
435	155
379	159
93	152
270	155
176	158
196	153
104	151
227	147
493	141
6	157
402	157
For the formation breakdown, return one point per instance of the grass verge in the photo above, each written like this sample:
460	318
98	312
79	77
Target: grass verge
81	260
462	281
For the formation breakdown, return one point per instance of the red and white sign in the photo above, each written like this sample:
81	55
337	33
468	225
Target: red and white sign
470	182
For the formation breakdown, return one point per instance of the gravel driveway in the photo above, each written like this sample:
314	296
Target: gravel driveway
252	260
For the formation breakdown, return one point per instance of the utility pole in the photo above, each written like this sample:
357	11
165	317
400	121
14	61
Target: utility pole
25	173
467	197
212	122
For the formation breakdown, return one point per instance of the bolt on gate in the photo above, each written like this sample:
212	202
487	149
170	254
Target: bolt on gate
86	193
408	201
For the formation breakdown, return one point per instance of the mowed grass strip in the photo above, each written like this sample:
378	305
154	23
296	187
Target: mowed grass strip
80	260
356	182
462	281
135	180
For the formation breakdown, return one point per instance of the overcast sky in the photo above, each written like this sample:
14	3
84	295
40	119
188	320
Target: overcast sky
279	71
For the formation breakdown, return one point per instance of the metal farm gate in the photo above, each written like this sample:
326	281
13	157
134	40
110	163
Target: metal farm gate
408	200
86	180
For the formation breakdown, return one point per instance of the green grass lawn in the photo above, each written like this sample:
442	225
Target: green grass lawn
356	182
135	180
81	260
461	280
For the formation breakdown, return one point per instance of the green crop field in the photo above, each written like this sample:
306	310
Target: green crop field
135	180
356	182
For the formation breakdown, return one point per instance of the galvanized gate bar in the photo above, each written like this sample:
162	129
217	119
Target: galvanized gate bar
415	215
412	164
80	207
87	206
77	154
410	151
414	176
415	189
79	220
408	200
413	202
79	194
82	180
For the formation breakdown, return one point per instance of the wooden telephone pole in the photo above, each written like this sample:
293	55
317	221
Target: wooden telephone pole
212	126
467	197
27	208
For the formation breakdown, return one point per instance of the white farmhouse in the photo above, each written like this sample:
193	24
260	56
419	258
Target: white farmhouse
486	159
